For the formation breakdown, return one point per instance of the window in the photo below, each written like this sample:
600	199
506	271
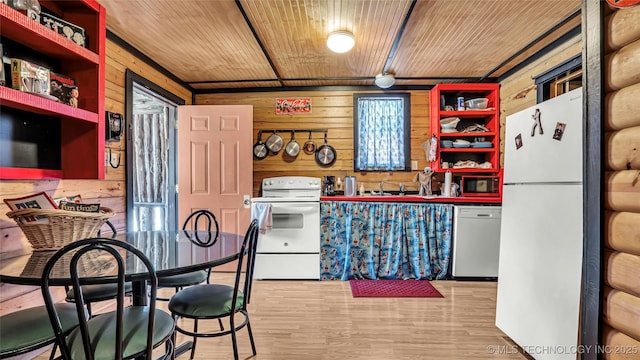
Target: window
559	80
381	132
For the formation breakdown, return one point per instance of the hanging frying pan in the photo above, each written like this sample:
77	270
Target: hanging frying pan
326	154
260	150
309	146
293	148
274	142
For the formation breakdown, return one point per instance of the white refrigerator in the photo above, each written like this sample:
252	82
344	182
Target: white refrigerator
540	260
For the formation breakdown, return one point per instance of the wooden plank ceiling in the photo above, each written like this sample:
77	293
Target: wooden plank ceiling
215	45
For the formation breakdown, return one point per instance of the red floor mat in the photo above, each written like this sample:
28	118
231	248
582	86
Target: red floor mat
393	288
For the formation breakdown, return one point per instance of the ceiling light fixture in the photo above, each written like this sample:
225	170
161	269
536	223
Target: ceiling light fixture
340	41
385	80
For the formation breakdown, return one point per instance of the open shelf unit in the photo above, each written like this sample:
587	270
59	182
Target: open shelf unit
82	129
446	94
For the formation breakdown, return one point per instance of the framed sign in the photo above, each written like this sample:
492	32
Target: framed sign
293	106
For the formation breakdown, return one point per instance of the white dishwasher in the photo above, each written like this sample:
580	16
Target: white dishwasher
476	241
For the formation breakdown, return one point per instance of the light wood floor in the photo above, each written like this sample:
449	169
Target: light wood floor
293	320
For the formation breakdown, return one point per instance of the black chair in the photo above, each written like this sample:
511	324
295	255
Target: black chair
125	333
98	292
178	282
218	301
30	329
114	232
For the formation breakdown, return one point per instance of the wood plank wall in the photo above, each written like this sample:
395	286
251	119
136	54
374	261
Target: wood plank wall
331	110
518	91
109	192
621	309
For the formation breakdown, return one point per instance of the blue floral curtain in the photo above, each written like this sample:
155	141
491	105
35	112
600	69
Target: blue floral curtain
384	240
381	133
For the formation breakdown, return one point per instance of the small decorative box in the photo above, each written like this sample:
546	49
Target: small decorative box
62	87
29	77
71	31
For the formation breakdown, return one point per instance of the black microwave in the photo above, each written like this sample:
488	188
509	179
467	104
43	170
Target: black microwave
480	186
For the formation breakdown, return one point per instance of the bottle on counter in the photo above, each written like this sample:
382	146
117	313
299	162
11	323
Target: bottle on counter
362	190
339	184
446	190
350	186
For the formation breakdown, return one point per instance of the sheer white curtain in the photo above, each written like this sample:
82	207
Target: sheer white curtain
150	180
381	134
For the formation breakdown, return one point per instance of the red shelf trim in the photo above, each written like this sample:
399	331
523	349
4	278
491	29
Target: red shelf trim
468	113
467	150
33	103
471	170
467	134
93	4
467	87
416	199
7	173
19	27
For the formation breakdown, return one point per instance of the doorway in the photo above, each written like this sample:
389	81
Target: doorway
151	155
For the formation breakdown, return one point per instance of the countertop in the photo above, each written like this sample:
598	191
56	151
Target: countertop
417	198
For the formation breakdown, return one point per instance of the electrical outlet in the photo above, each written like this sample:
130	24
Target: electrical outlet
414	164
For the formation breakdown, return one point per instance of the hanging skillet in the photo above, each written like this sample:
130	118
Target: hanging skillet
292	148
274	142
309	146
260	150
326	154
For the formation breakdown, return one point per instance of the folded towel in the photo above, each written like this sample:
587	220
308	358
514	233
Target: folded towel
262	212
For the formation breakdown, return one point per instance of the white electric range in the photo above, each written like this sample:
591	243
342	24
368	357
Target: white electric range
291	248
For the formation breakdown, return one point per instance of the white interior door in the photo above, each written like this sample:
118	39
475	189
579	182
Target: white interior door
215	169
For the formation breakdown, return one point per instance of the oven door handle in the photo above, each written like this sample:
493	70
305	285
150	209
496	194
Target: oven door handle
289	208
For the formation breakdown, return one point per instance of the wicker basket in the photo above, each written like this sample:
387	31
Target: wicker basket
88	264
62	227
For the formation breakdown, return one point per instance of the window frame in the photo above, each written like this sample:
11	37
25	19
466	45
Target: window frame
406	97
557	75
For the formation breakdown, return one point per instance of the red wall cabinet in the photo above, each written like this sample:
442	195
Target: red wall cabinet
478	127
82	128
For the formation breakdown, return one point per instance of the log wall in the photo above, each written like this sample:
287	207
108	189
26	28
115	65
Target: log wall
621	154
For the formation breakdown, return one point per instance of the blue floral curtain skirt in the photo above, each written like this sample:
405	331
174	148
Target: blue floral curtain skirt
384	240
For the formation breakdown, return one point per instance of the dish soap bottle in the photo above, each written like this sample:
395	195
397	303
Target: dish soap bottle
361	189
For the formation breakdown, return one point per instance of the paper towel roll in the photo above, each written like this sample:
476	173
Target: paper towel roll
447	184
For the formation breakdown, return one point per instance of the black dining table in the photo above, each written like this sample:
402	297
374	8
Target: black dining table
170	252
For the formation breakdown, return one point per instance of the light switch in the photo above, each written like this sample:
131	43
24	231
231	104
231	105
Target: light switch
414	164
